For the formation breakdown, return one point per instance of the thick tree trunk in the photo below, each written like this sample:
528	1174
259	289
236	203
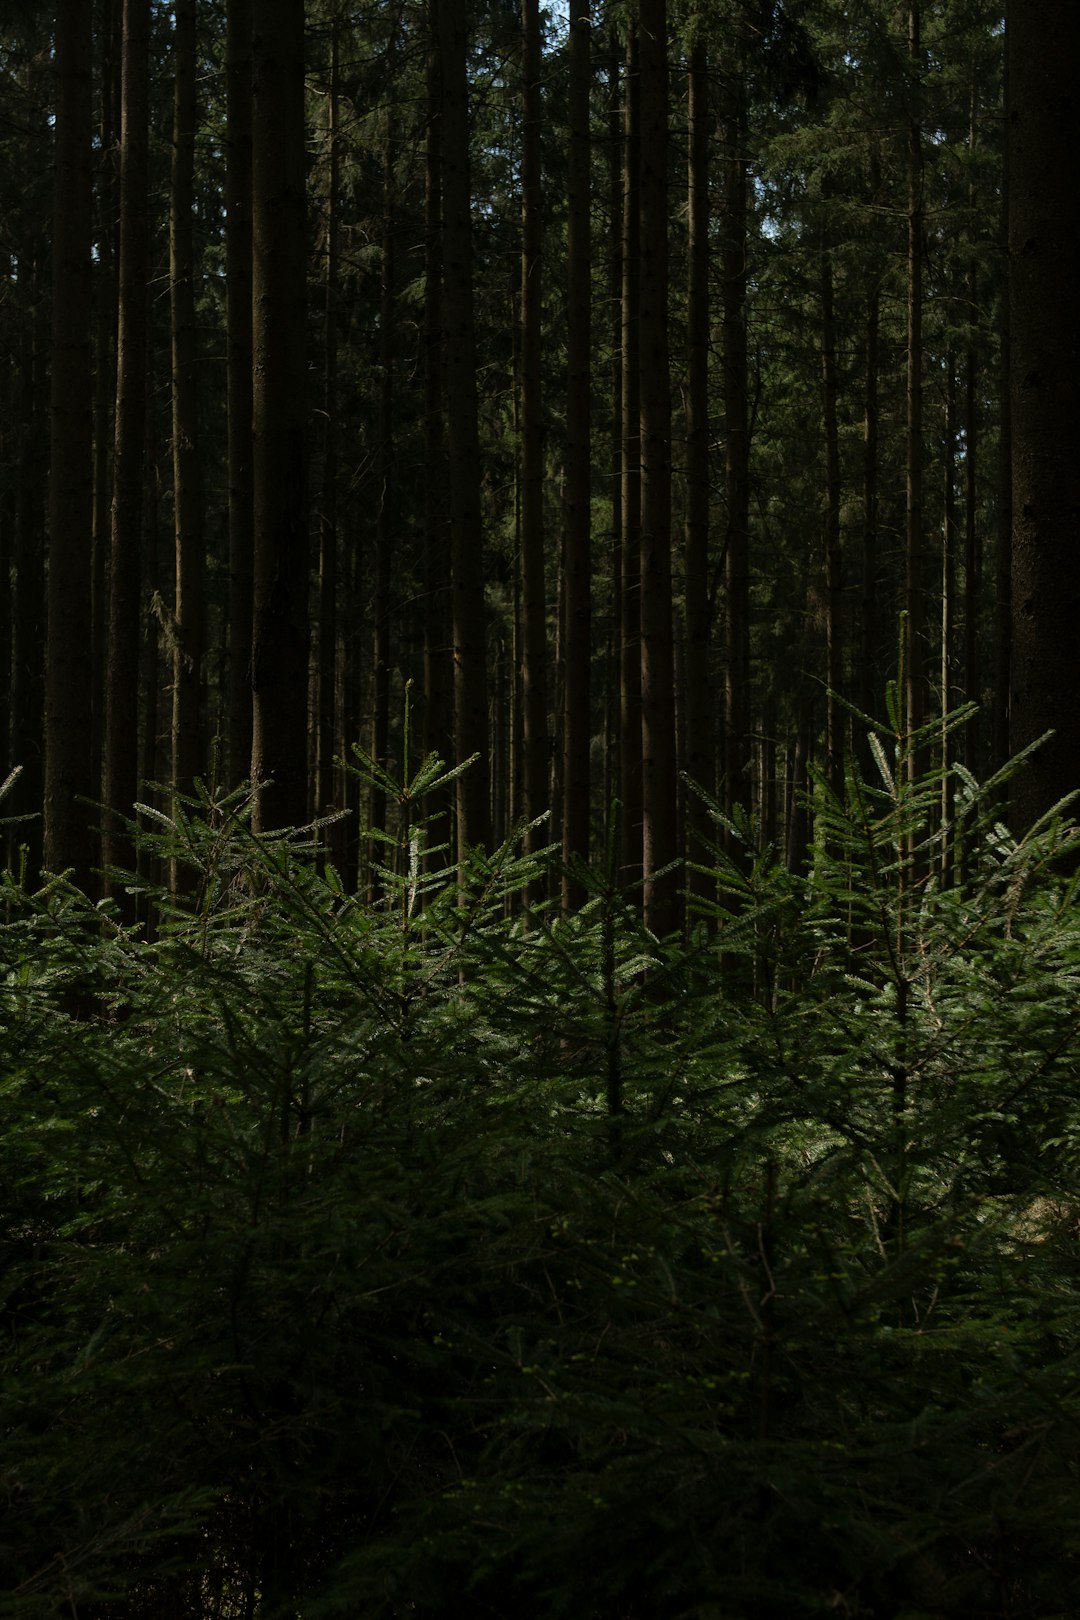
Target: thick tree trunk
187	462
68	760
129	458
280	626
1043	44
577	515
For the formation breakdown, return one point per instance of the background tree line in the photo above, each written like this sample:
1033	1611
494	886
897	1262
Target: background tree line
624	385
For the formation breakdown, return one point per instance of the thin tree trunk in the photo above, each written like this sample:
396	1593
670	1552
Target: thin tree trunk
629	603
737	437
129	456
536	752
699	728
384	520
659	765
187	464
280	627
612	755
466	526
834	675
577	515
238	315
326	666
869	696
914	555
68	687
107	194
438	671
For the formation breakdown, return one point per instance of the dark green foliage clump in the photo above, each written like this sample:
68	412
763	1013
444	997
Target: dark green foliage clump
413	1261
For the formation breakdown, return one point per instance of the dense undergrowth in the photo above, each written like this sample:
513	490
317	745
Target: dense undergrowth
415	1261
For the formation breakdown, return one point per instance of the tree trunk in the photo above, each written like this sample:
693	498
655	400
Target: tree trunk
326	676
384	518
238	316
577	514
129	456
279	260
466	528
1043	44
536	752
699	727
68	687
438	670
187	463
736	437
629	600
914	557
834	596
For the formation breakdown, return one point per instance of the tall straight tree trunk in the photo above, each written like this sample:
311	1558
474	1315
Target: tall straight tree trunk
699	722
107	197
629	602
280	627
438	669
24	565
869	695
466	527
1043	45
658	757
972	679
326	675
834	675
736	434
615	194
536	752
129	455
384	518
187	463
914	551
577	514
239	376
68	687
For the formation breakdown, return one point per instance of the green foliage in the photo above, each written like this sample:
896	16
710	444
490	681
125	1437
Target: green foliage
389	1260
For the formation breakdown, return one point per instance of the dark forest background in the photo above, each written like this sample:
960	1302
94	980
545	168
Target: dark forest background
635	386
539	945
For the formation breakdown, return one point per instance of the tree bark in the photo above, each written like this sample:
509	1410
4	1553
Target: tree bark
629	599
535	746
129	455
914	550
68	762
238	316
577	513
466	526
280	626
658	755
186	457
1043	113
699	722
736	435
